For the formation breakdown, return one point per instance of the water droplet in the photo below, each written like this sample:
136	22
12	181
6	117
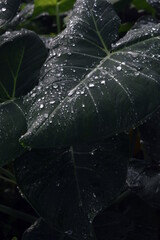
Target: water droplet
119	68
103	82
69	232
55	86
137	73
4	9
91	85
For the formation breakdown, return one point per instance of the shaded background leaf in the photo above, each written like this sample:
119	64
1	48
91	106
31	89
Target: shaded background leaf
8	10
51	6
70	188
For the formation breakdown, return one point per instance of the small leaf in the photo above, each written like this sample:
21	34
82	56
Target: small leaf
22	54
68	189
91	89
143	5
50	6
8	9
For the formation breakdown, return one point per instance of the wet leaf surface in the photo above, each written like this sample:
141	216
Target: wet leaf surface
70	188
89	90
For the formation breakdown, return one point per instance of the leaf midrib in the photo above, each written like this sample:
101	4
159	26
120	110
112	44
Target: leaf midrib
82	81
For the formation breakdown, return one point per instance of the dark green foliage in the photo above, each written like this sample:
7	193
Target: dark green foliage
66	125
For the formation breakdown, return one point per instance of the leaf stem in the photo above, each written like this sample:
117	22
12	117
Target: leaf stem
58	18
8	180
17	214
7	173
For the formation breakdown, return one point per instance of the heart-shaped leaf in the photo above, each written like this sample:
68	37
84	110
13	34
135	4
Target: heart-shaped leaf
89	90
70	188
8	9
22	53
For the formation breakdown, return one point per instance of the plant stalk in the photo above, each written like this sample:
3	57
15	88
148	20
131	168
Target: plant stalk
17	214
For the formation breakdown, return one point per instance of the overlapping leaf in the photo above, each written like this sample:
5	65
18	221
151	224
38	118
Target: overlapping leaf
68	189
22	53
21	56
8	9
89	90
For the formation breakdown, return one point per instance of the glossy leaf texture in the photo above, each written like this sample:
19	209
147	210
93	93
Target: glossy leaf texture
8	9
12	126
53	7
22	54
89	90
70	187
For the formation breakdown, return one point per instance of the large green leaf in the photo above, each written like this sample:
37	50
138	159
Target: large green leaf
21	57
22	53
8	9
68	189
52	6
89	90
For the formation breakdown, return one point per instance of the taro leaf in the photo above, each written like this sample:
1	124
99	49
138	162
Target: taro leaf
40	231
155	4
69	189
145	182
8	9
53	7
10	131
22	54
89	91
